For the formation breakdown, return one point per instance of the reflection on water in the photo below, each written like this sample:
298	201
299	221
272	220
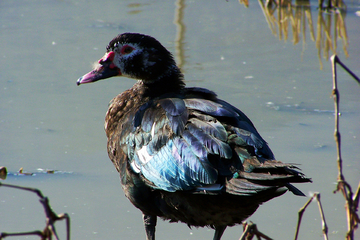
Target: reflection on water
299	17
284	18
180	32
329	5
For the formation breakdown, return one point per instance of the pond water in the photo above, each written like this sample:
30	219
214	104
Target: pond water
280	78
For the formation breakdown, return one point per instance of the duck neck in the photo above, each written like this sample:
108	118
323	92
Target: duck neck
171	81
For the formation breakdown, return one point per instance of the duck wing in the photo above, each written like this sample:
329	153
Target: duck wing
203	144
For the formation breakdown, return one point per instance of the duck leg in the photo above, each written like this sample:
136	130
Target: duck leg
150	224
219	230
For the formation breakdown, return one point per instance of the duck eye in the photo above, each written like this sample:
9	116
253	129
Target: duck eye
127	49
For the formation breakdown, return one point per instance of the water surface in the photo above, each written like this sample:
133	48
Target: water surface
281	80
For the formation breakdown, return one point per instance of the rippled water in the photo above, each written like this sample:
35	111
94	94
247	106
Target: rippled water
282	81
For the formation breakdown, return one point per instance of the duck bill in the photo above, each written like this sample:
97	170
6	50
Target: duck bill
100	73
105	69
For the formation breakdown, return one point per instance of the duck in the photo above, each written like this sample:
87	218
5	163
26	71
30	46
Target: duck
183	154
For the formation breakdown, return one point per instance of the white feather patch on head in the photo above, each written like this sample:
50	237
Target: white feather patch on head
146	61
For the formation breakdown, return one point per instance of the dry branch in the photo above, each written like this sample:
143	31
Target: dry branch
51	217
250	230
302	210
351	200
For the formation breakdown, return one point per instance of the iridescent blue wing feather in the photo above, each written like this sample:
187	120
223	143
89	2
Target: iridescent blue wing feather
252	137
238	121
190	143
170	154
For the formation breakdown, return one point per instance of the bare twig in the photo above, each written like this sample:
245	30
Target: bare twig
324	226
302	210
335	59
352	201
51	217
250	230
38	233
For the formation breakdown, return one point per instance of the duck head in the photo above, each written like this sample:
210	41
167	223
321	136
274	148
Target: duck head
134	55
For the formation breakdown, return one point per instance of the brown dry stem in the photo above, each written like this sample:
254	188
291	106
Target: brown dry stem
302	210
250	230
51	217
351	200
